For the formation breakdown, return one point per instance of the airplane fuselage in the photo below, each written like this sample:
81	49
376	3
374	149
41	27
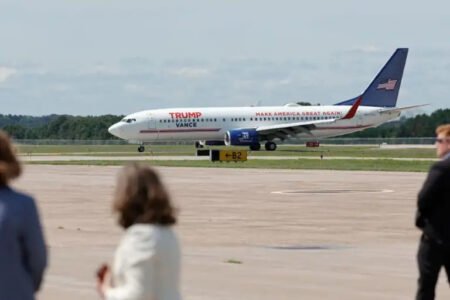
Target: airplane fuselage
213	123
250	126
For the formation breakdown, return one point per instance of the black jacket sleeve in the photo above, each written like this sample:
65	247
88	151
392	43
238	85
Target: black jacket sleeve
432	189
35	249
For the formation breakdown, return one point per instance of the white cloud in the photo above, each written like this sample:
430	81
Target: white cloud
367	49
102	69
191	72
60	88
363	50
133	88
270	84
6	73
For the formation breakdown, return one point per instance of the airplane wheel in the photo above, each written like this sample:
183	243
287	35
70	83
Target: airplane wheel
270	146
255	147
141	148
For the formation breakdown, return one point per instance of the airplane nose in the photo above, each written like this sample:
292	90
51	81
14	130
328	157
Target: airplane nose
115	130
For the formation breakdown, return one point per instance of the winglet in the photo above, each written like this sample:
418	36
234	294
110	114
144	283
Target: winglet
351	113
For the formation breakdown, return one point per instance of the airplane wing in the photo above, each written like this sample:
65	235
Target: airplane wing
282	131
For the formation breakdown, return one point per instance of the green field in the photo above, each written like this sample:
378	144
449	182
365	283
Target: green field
332	164
370	158
283	150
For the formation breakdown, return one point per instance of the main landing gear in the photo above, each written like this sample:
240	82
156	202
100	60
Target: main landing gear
270	146
198	145
141	148
255	147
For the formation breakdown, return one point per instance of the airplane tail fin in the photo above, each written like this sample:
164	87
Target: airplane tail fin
383	91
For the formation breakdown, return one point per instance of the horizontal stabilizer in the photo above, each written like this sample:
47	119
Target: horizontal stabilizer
399	109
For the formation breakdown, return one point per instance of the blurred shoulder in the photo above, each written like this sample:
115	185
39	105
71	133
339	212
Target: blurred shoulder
443	164
147	231
16	195
148	235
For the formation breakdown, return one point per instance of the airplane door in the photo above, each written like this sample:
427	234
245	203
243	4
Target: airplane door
153	128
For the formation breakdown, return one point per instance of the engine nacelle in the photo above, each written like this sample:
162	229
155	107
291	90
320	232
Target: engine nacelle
241	137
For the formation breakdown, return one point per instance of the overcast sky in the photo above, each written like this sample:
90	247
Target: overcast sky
93	57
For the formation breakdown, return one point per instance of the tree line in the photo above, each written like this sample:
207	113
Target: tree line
422	125
59	127
96	127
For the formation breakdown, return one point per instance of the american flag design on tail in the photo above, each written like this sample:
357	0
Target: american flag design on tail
388	85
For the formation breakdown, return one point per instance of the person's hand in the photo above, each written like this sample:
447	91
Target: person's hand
103	282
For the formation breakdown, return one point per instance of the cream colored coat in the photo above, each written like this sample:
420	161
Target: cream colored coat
146	265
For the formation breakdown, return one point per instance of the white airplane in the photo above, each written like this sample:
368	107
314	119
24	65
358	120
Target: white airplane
251	126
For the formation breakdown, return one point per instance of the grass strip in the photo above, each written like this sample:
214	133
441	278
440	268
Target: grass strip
174	150
294	164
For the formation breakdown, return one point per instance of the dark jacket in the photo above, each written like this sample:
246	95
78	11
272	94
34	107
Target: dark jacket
433	205
23	255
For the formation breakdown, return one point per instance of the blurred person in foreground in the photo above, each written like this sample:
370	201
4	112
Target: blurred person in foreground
147	260
23	255
433	218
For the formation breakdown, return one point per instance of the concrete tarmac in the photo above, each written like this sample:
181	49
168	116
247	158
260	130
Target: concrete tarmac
245	234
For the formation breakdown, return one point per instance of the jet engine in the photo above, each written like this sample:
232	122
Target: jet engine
241	137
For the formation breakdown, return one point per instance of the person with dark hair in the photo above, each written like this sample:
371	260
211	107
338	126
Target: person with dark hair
147	260
23	255
433	218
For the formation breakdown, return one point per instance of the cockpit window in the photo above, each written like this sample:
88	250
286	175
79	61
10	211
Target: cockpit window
128	120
